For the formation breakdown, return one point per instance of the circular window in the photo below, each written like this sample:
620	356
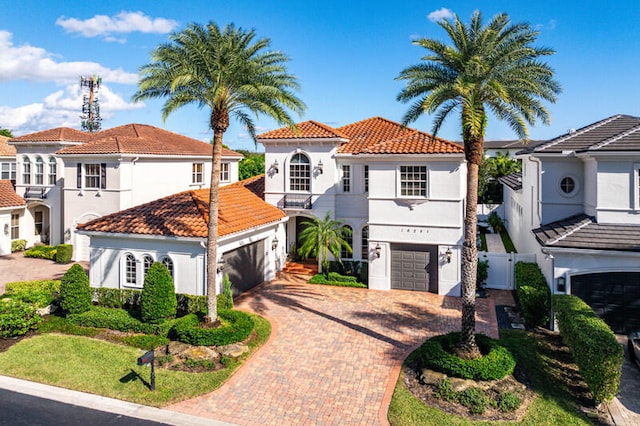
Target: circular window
567	185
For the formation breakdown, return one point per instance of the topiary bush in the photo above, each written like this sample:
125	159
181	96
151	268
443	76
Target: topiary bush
64	253
40	293
496	362
17	318
533	294
75	292
158	301
18	245
187	329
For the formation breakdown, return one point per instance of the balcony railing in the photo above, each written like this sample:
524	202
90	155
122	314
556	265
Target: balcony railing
292	201
38	192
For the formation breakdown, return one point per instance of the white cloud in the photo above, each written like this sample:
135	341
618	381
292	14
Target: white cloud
440	14
122	23
60	109
32	63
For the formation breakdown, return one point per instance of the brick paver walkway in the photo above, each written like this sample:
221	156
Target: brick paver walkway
334	355
16	267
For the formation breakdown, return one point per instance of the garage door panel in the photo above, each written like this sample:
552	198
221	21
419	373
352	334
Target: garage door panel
245	267
410	268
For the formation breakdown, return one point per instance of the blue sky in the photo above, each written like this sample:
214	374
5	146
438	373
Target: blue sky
345	53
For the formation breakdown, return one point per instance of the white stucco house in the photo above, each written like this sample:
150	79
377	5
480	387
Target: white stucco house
576	205
400	190
12	208
69	177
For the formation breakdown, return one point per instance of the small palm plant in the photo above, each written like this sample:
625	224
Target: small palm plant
323	236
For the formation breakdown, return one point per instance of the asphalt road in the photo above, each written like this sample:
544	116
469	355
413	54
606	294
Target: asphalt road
17	409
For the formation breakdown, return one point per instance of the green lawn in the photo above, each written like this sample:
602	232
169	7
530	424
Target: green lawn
554	404
94	366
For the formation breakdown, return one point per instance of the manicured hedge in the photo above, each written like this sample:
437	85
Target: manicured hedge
18	245
336	279
496	362
64	253
117	298
593	345
41	252
533	294
117	319
39	293
17	318
187	329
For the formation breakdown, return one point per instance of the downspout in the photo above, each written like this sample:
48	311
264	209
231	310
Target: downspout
539	189
203	244
552	287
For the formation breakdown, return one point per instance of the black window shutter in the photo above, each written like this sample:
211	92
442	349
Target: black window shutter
103	176
79	182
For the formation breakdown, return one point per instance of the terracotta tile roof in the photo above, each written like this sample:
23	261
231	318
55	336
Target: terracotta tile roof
186	214
144	140
6	150
306	130
59	134
8	196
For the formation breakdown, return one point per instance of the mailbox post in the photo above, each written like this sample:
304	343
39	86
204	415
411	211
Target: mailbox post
149	358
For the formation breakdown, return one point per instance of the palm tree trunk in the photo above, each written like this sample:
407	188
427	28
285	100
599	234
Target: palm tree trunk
212	238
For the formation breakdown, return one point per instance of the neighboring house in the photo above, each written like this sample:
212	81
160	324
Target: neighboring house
12	208
7	160
509	148
576	205
105	172
399	190
173	230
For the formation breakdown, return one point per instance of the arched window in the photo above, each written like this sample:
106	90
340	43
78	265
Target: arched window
130	270
26	171
365	243
53	171
347	235
168	263
300	173
147	261
39	171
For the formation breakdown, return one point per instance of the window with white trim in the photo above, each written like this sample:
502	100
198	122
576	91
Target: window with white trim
39	172
26	171
567	184
15	226
8	171
300	173
347	235
92	176
130	270
413	181
346	178
147	261
196	173
53	171
365	243
225	176
38	222
168	263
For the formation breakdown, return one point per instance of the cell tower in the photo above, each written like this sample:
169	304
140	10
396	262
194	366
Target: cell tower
90	107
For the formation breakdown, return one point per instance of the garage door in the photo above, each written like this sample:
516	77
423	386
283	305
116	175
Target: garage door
614	296
245	267
412	269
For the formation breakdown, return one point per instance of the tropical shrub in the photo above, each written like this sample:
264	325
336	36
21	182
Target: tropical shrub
17	318
158	301
593	345
75	292
533	294
187	329
496	361
41	252
64	253
40	293
18	245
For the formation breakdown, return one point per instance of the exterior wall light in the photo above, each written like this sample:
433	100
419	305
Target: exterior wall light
562	284
320	167
220	265
377	250
6	229
447	254
275	166
274	243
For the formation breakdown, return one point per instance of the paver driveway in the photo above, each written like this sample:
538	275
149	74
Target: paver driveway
334	354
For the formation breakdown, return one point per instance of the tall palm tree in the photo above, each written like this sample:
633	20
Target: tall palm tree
323	236
230	72
485	68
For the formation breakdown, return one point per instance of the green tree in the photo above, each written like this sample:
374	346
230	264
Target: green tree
251	165
490	170
321	237
6	132
486	68
75	291
229	72
158	301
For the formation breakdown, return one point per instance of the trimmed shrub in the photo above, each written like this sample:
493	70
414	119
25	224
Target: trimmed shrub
227	293
145	341
593	345
18	245
336	279
41	252
190	304
64	253
533	294
187	329
445	391
508	401
158	295
39	293
474	399
496	362
118	298
75	292
17	318
118	319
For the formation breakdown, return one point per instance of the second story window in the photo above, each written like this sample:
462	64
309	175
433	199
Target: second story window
366	178
39	172
8	171
413	181
92	176
53	171
300	173
224	172
346	178
26	171
196	173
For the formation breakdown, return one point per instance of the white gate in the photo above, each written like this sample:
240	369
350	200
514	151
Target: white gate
502	268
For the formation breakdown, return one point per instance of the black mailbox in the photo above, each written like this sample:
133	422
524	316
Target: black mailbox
147	358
